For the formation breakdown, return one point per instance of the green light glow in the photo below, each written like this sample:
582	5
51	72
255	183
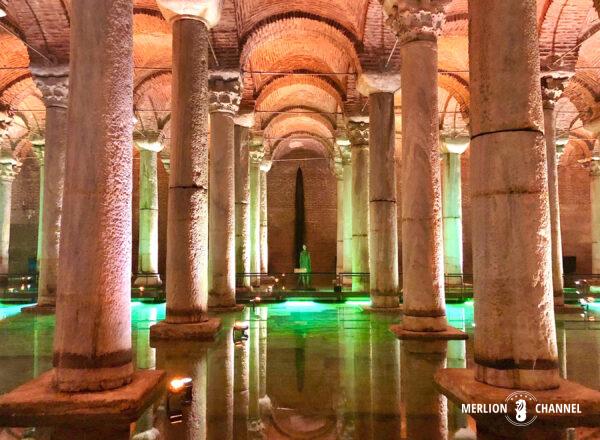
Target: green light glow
8	310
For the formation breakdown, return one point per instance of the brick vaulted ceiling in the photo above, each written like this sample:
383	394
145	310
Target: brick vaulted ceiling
299	59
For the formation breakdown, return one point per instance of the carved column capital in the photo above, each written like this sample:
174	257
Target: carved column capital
9	166
148	141
53	83
38	145
225	93
338	168
595	167
256	156
266	164
413	20
206	11
553	85
358	133
454	144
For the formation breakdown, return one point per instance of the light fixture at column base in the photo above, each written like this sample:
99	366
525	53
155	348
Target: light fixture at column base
39	310
37	403
460	386
199	331
450	333
151	280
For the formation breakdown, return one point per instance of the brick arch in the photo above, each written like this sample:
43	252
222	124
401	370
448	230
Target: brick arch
288	125
458	88
322	145
152	101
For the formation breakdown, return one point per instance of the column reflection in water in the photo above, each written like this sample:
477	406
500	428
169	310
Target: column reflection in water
385	380
255	425
219	416
241	385
426	408
143	317
362	384
184	359
457	358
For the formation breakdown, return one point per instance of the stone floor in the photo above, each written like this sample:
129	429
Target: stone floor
308	370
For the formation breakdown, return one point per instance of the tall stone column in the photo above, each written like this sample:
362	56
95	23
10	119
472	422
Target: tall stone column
92	342
38	151
383	216
358	133
224	104
265	167
348	213
54	85
149	147
338	170
8	172
515	339
256	154
595	206
242	198
187	228
418	25
553	85
452	148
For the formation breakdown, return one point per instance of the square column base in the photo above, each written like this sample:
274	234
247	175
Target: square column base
199	331
37	403
460	386
450	333
382	310
236	308
39	310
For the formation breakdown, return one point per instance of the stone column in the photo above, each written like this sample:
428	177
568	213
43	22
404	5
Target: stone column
358	133
8	172
418	25
256	156
595	206
265	167
242	198
92	341
348	213
553	85
338	171
54	85
452	148
515	339
224	104
38	151
187	228
383	215
149	147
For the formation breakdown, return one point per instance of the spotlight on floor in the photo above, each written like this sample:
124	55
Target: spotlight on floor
240	333
179	394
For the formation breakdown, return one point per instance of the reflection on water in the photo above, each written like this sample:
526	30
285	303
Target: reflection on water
307	371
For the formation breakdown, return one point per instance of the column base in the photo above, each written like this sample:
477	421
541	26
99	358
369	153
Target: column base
460	386
230	309
565	309
37	403
200	331
39	310
450	333
150	280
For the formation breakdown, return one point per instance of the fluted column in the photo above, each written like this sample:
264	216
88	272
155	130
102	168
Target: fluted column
149	147
224	104
383	216
452	148
8	172
92	341
242	198
418	25
515	339
338	170
265	167
358	133
256	156
553	85
54	85
348	213
187	228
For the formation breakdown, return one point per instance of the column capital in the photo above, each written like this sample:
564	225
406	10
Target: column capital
414	20
266	164
553	85
454	144
256	156
206	11
595	167
358	132
148	141
53	83
375	82
338	168
38	144
9	166
225	92
244	119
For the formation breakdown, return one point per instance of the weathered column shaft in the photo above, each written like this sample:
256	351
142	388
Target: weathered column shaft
54	85
339	260
422	246
255	160
7	177
92	342
595	217
148	222
452	213
39	153
358	132
348	213
264	224
224	103
187	229
242	205
383	224
515	339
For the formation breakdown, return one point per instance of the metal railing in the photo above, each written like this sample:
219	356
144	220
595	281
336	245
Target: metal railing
18	287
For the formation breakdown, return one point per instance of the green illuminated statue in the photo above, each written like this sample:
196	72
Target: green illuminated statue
305	278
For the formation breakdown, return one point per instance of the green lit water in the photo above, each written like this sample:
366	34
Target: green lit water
308	370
